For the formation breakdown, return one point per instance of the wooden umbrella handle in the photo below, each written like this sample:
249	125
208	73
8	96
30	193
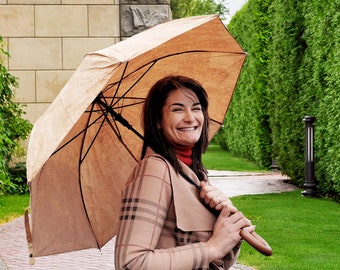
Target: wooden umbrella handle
257	242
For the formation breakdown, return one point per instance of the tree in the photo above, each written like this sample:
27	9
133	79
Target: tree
181	9
13	128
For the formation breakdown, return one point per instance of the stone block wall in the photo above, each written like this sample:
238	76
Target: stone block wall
47	39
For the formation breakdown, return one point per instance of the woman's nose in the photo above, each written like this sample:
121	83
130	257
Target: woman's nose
188	117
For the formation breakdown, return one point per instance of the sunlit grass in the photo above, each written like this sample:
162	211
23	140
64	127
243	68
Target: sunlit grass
12	206
304	233
217	159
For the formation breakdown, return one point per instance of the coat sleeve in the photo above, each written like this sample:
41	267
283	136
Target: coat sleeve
146	200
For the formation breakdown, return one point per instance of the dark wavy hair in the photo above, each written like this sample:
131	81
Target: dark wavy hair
153	136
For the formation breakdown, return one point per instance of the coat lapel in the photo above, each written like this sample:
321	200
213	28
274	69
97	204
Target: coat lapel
191	213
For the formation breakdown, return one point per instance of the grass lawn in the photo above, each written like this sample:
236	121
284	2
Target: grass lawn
304	233
12	206
217	159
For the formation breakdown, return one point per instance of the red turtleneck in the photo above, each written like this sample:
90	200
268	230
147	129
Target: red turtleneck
184	153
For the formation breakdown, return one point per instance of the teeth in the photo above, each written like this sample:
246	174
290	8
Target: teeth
187	129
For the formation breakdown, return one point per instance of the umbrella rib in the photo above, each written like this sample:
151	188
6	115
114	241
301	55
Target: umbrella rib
132	86
118	86
122	77
137	81
121	106
151	64
213	120
81	159
116	131
89	125
78	134
93	140
116	128
119	118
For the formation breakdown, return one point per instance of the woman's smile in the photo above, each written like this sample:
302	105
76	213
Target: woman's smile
187	128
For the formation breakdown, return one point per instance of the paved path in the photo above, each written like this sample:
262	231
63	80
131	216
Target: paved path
13	248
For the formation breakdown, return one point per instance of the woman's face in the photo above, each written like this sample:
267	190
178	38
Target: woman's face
182	117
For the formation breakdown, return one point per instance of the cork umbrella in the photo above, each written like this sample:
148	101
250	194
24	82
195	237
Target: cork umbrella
82	149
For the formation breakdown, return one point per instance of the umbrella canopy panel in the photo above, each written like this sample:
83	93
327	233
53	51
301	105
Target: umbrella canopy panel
128	100
85	145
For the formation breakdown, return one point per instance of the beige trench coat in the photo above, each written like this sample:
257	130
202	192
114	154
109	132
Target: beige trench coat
164	224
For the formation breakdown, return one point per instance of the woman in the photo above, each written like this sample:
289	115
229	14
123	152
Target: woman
166	222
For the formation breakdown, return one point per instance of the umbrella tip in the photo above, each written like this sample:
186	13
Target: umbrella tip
31	259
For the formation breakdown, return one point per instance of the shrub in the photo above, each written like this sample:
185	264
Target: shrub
13	129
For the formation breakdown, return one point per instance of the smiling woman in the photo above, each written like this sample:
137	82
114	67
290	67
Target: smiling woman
168	105
166	222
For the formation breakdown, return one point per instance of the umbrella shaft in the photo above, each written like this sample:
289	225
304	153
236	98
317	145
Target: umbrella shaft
118	117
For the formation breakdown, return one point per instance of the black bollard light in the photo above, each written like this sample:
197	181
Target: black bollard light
310	180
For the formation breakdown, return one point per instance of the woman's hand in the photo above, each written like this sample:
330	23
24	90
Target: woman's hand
226	233
215	198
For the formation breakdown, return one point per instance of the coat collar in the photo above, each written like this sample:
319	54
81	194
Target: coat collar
191	212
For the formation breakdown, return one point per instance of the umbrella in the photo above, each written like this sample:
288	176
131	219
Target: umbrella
82	149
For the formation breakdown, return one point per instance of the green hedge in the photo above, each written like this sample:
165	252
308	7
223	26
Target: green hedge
13	129
323	38
246	129
292	70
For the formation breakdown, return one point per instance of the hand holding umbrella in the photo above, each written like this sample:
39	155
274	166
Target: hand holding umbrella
218	201
225	233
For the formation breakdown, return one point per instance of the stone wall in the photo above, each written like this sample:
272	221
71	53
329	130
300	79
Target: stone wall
47	39
139	15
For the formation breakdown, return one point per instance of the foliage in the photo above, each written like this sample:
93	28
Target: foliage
248	112
287	49
321	89
292	71
181	9
13	128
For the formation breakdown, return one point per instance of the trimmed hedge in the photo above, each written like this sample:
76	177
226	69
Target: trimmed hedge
246	129
292	70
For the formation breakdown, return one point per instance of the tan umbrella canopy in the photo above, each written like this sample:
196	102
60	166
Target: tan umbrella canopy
82	149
